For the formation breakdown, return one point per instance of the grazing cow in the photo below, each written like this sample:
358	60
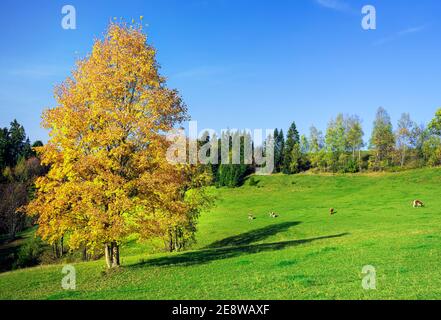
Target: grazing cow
251	216
273	215
332	211
418	204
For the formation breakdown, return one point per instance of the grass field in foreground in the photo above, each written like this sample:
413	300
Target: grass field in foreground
303	254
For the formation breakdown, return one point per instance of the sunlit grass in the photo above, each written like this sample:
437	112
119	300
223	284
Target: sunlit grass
303	254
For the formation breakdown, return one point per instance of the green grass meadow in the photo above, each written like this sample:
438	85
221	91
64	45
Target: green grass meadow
303	254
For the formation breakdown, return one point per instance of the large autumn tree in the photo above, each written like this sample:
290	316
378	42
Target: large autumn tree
109	176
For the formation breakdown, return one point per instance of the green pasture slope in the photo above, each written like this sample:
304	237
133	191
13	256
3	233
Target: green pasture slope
303	254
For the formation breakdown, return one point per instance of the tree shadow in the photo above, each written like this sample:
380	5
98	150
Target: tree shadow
253	235
207	255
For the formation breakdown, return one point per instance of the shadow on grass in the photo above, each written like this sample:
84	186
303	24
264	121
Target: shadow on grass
8	252
253	235
213	252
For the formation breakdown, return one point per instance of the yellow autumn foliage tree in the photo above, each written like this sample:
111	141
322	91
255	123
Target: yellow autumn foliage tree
108	175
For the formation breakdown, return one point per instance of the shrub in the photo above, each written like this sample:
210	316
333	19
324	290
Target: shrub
351	166
29	253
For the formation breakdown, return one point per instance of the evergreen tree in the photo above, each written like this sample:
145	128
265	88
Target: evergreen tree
4	144
17	143
233	174
14	145
279	148
276	151
292	139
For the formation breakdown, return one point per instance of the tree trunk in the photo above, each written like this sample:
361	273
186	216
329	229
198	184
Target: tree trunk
115	255
108	254
55	248
12	226
403	156
85	254
176	239
111	252
170	241
181	240
61	246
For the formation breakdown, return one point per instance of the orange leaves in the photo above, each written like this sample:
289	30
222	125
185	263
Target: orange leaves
108	172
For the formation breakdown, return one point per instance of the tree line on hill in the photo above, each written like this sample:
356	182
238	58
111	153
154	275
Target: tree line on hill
342	148
230	175
19	166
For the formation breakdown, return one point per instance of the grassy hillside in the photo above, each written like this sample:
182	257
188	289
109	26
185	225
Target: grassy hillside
9	248
303	254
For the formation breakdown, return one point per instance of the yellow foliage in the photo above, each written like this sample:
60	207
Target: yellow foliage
108	174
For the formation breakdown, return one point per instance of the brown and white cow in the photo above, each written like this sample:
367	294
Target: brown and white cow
273	215
418	204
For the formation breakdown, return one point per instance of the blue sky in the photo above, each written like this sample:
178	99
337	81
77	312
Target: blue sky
240	63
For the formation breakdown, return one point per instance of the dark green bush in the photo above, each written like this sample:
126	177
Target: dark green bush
29	253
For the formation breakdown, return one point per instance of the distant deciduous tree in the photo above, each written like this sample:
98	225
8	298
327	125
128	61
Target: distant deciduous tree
354	136
404	131
432	151
15	193
420	134
336	141
316	145
435	124
382	140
